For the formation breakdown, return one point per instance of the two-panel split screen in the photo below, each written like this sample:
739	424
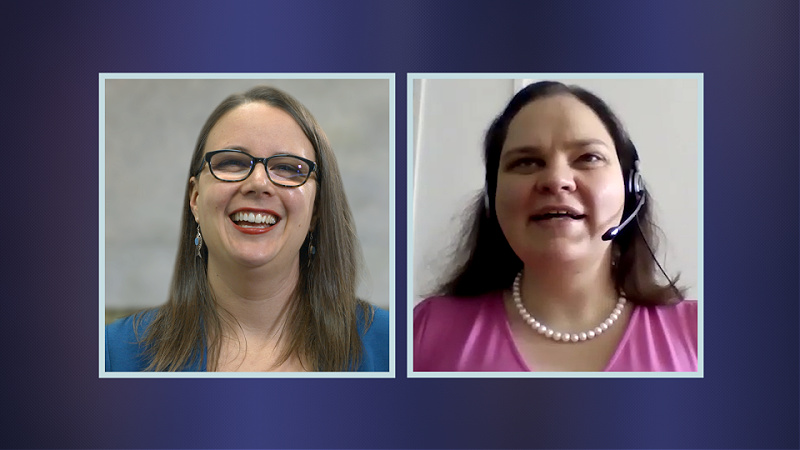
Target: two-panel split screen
552	225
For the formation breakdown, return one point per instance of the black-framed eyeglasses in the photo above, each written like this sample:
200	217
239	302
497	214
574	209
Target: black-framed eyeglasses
236	165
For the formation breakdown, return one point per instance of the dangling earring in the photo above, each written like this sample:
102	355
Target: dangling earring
198	243
615	255
312	250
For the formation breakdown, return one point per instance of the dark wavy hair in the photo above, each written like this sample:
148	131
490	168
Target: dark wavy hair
322	315
485	262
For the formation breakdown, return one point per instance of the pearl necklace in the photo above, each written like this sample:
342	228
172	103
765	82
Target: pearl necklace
565	337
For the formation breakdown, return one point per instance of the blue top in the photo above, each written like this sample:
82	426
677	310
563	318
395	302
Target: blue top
124	353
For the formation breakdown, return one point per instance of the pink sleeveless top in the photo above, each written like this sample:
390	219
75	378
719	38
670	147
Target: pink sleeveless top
473	335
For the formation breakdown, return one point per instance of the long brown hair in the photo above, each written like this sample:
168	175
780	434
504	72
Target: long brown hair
484	261
321	325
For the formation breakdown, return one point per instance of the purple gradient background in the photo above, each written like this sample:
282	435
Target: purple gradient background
51	395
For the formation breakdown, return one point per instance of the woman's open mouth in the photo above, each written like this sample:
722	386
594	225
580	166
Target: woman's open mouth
557	215
252	222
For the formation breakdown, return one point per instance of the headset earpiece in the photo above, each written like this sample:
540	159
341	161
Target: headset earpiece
634	184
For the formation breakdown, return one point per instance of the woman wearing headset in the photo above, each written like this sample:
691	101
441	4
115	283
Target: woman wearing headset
559	275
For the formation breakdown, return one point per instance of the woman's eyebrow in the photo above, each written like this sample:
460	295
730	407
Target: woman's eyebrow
574	143
521	150
235	147
586	142
244	149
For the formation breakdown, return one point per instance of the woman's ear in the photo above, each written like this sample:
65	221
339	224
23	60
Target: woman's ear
193	194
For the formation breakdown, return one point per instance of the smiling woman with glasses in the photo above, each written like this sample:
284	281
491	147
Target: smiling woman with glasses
268	261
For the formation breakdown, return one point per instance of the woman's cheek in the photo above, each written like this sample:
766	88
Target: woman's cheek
510	204
609	202
512	195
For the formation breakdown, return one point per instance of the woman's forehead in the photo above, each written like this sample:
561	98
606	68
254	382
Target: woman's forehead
553	119
259	128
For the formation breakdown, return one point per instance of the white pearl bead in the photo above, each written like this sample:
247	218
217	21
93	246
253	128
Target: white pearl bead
530	320
575	338
541	329
604	326
614	316
590	334
583	336
598	330
617	311
549	333
608	322
557	335
565	337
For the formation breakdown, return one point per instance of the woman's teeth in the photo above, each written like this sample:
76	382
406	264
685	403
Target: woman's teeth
244	218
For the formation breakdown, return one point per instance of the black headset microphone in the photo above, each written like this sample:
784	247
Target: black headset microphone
612	232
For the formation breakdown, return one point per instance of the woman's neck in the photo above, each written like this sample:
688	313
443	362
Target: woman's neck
257	298
569	296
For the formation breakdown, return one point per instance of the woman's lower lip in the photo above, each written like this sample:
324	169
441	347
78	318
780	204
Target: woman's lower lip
555	223
252	230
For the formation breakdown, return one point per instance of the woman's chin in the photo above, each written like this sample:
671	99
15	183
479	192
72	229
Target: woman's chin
255	261
557	253
249	259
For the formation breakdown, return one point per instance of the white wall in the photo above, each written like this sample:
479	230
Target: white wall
150	131
661	116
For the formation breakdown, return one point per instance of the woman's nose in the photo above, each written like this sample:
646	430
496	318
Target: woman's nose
258	181
556	177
